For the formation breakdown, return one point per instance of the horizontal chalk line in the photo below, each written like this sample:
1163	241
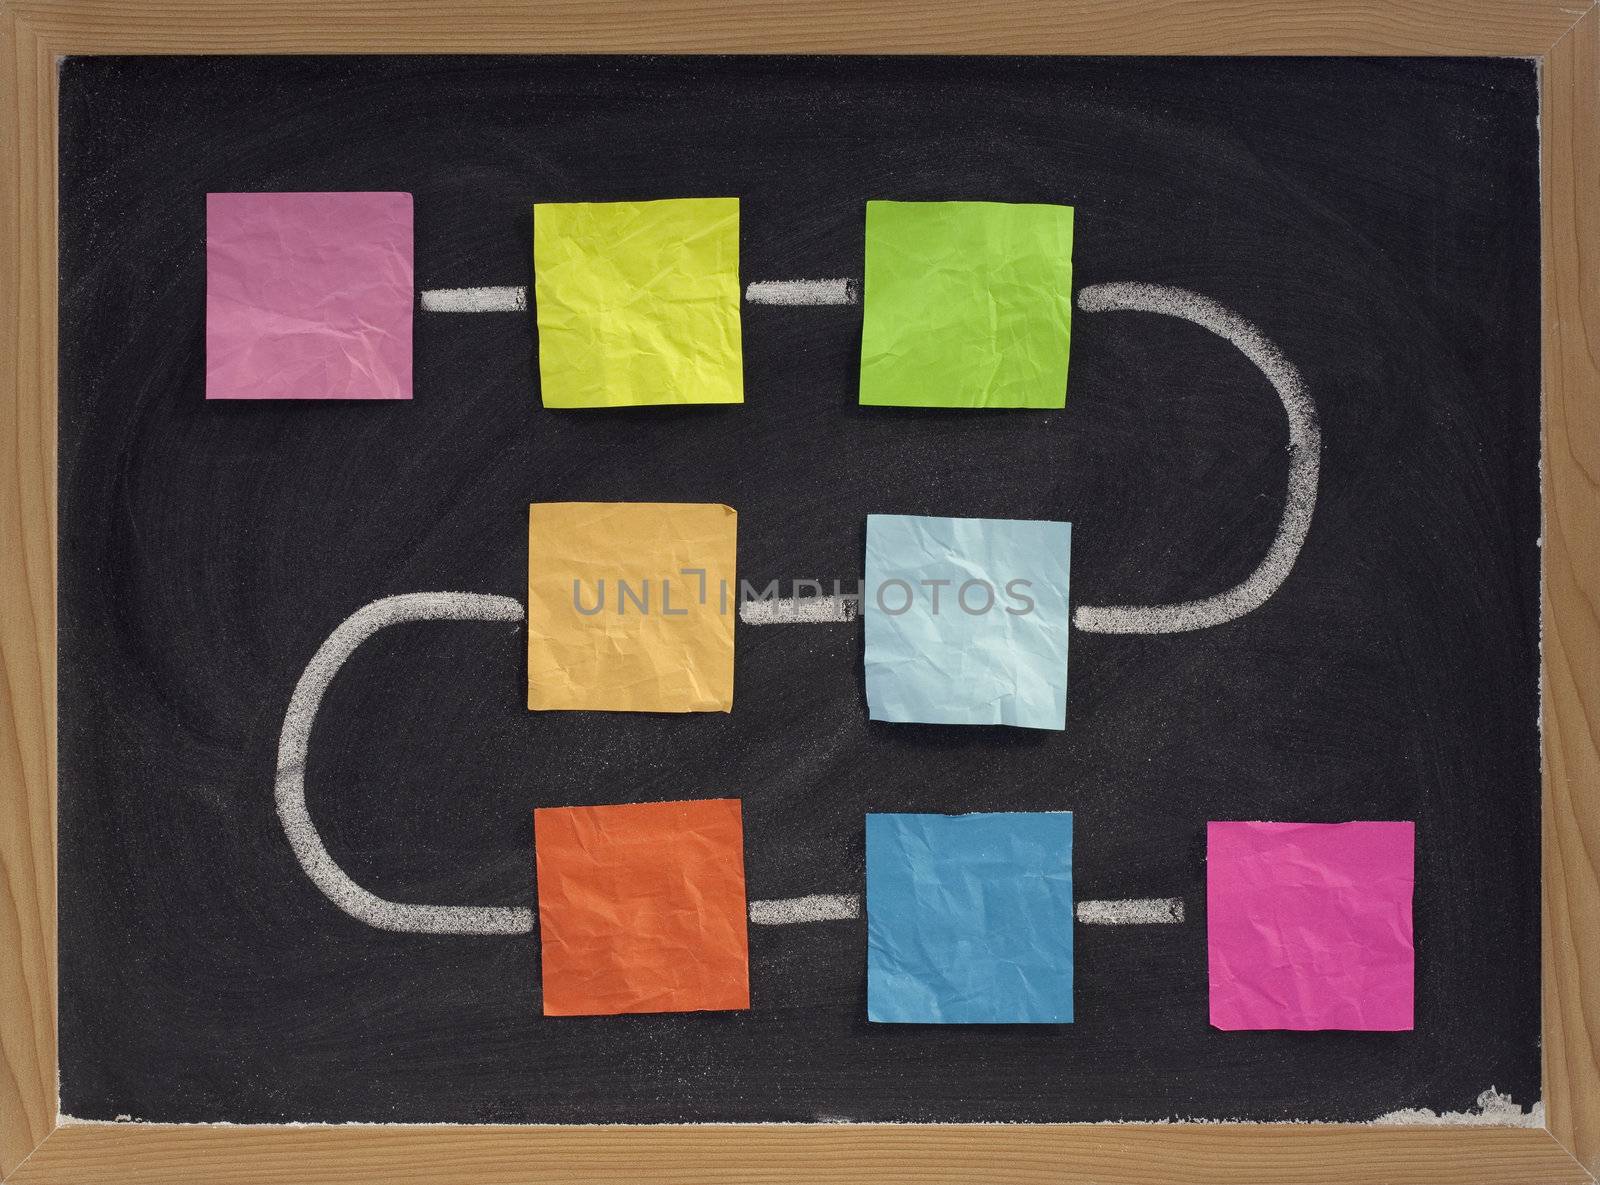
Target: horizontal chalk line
817	610
820	907
803	292
510	299
832	907
1131	911
474	300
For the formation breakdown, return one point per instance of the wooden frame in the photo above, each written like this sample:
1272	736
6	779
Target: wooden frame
35	1148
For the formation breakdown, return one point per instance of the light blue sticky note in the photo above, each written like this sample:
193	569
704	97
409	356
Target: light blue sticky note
969	918
966	620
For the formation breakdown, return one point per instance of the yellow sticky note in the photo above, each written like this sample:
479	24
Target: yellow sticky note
631	606
638	302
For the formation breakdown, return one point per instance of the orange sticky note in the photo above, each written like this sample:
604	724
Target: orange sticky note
631	606
642	908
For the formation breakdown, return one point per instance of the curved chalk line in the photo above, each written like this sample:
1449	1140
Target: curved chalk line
1250	593
366	906
1305	452
290	783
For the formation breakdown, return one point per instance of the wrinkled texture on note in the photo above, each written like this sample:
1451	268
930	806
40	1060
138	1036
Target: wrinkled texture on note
969	918
937	661
631	606
1308	925
308	296
642	908
638	302
967	304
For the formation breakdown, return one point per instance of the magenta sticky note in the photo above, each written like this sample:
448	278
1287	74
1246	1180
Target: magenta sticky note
1308	925
308	296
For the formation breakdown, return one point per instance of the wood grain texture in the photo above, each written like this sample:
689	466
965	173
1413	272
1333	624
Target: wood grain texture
33	34
27	596
1571	165
1284	1155
1521	27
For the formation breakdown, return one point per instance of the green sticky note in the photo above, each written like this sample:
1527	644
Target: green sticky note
638	302
967	304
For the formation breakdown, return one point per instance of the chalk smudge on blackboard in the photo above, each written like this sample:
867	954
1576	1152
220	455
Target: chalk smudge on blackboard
1494	1110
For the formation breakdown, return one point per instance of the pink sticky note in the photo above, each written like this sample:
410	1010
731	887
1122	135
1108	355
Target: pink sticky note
308	296
1308	925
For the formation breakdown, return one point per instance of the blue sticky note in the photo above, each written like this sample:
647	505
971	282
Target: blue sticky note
966	620
969	918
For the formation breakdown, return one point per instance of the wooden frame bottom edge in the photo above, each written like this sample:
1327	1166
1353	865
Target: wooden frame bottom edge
1108	1154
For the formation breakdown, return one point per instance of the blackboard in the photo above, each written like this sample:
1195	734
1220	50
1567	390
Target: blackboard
1377	219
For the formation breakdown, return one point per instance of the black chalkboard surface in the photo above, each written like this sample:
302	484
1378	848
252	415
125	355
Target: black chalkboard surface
1376	219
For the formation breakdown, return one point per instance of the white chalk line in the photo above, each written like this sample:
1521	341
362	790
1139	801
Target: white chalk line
1305	448
1131	911
294	742
1304	444
509	299
803	292
474	300
818	610
819	907
337	886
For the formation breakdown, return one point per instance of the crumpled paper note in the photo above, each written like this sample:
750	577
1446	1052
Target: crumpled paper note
1308	925
631	606
638	302
967	304
642	908
938	661
308	295
969	918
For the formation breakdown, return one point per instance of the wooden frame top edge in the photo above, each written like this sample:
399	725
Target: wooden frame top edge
1516	28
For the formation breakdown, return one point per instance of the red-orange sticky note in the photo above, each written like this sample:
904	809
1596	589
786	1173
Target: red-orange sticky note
642	907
